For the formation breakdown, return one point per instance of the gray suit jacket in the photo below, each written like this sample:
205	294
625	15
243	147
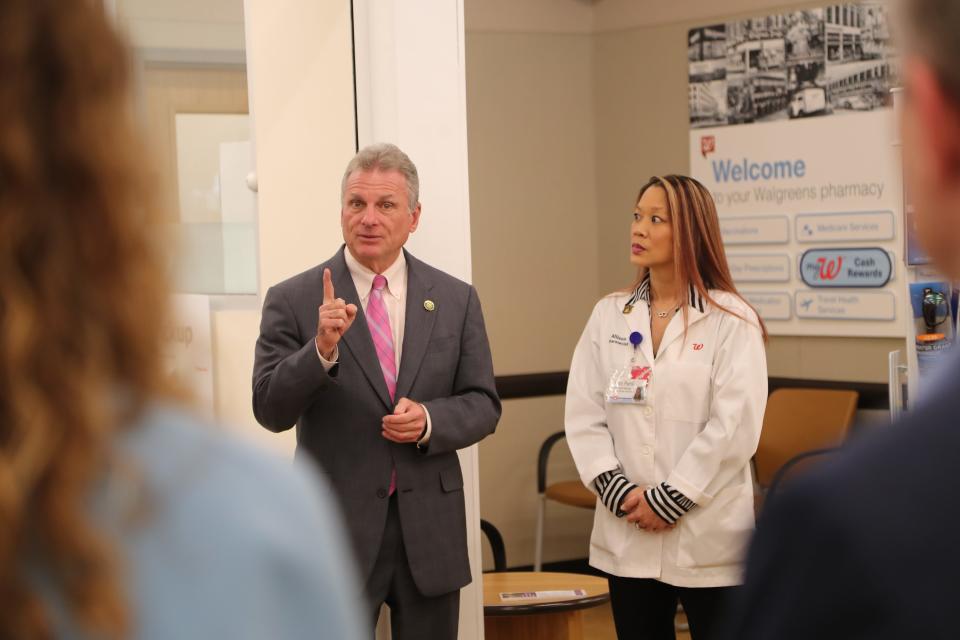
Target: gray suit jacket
446	365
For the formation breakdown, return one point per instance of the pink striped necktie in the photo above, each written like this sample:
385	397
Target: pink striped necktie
379	322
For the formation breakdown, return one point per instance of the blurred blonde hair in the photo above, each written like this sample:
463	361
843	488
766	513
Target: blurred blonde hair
83	303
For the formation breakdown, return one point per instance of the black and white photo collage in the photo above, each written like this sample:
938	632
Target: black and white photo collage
815	62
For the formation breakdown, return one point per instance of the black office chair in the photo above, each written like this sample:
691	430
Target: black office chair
496	545
568	492
792	466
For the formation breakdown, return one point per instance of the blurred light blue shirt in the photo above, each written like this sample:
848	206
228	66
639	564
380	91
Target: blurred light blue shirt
232	543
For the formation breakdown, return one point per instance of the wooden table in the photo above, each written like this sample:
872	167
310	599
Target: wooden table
557	619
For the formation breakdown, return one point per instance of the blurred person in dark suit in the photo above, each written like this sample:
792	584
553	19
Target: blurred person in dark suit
865	546
121	515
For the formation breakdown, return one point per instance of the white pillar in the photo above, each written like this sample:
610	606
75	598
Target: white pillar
411	91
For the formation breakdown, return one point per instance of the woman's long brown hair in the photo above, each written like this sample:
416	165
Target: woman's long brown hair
699	257
82	306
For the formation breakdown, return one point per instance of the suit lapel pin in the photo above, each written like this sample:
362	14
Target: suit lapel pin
627	308
429	305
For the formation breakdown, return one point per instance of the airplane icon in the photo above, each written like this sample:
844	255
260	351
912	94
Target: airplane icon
806	304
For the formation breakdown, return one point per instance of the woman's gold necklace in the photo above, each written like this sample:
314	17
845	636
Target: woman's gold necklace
664	314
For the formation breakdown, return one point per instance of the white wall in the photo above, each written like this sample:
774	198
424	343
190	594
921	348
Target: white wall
530	16
186	25
616	15
593	16
535	252
300	74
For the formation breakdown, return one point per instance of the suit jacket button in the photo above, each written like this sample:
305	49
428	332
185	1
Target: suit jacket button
381	493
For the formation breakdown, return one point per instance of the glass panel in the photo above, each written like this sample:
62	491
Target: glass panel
193	97
216	228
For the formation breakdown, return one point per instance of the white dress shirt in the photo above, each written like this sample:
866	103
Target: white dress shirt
394	299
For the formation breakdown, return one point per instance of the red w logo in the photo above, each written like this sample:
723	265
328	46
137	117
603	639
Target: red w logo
708	144
697	346
829	270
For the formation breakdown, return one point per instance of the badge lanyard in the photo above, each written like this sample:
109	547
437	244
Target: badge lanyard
630	384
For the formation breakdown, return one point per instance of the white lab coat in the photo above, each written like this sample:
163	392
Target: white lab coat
698	433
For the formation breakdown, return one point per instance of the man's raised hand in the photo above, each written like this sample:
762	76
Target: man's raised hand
335	318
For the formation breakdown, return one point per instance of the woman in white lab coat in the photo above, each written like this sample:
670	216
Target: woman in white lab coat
665	402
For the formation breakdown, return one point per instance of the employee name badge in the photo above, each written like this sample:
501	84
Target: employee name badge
630	384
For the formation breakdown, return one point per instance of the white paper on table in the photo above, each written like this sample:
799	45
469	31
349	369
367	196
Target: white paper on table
543	595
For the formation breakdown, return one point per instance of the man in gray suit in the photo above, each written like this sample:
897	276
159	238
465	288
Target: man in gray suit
384	383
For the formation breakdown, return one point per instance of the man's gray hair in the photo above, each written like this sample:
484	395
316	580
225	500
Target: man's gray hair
931	29
386	157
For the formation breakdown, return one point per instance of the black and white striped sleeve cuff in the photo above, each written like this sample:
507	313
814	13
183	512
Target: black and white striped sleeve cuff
667	502
613	487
